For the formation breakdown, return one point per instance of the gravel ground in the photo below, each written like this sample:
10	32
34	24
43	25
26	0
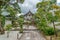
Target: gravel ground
12	36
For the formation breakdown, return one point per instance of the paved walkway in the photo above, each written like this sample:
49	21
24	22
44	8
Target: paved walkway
32	35
12	35
28	35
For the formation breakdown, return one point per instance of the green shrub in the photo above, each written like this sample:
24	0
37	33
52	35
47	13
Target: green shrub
8	27
21	28
48	31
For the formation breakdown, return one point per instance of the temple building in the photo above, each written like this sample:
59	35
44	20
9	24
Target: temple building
28	17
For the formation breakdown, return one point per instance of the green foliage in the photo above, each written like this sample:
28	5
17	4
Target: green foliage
44	16
43	3
7	0
2	3
21	1
48	31
17	8
53	1
8	27
3	21
51	18
21	21
21	28
12	11
57	13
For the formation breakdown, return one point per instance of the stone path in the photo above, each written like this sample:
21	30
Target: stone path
32	35
12	36
27	35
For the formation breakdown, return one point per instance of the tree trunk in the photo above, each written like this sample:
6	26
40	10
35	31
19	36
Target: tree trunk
7	34
17	36
1	29
54	29
21	30
50	37
13	23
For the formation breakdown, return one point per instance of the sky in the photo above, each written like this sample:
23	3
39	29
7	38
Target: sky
26	6
58	1
29	5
